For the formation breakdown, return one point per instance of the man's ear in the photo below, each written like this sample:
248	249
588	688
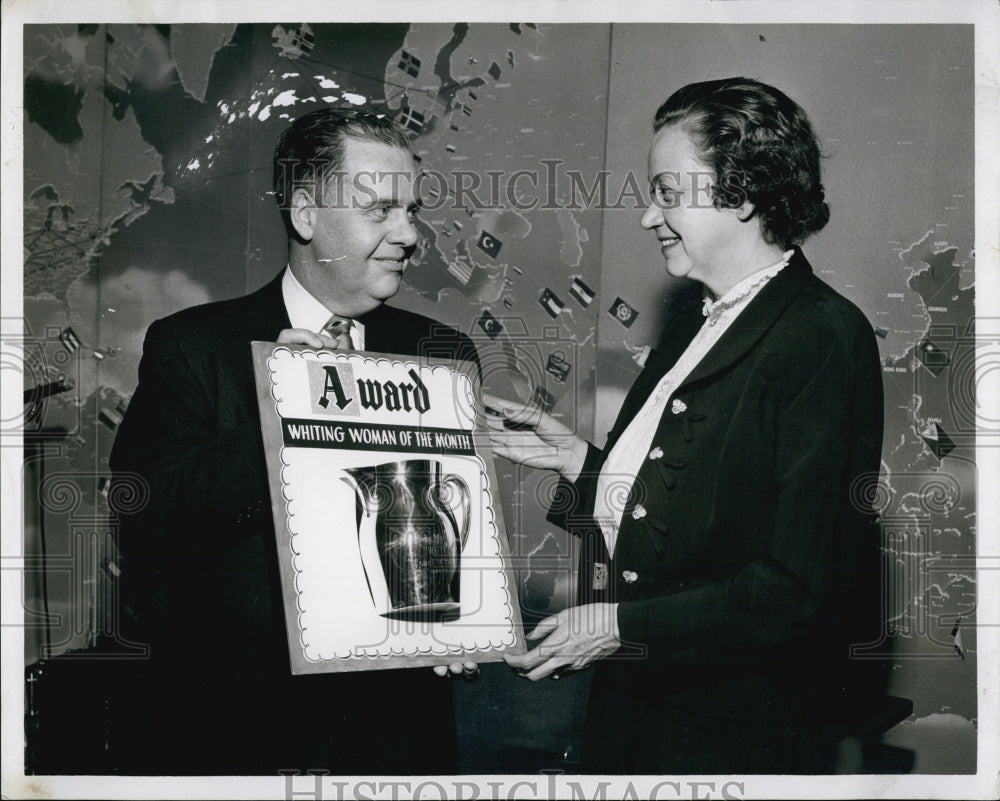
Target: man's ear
302	213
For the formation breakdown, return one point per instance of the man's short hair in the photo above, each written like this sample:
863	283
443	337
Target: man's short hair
312	148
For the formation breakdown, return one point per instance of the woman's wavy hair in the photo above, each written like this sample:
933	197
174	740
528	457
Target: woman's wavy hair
762	148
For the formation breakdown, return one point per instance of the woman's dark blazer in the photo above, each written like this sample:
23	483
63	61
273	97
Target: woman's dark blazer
747	559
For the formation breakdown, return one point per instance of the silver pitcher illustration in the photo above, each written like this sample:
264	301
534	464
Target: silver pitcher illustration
410	540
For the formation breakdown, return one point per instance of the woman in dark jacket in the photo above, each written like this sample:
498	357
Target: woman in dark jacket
727	537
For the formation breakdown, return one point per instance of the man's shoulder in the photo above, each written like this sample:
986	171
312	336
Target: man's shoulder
401	331
403	318
215	316
405	324
204	315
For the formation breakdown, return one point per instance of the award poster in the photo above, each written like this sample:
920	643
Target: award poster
390	535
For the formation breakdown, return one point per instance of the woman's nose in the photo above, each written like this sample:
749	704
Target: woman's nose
652	217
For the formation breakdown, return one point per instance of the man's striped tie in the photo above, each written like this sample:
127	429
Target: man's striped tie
339	329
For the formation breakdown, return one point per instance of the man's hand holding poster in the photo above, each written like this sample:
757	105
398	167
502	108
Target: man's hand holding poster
390	535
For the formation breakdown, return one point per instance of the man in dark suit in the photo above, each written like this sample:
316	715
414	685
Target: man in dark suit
200	580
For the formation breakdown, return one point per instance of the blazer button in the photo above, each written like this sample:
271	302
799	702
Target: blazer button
639	512
630	576
678	406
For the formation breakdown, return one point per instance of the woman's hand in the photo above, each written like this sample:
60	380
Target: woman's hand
536	440
573	639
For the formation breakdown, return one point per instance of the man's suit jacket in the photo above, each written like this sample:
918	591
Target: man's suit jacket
200	576
747	558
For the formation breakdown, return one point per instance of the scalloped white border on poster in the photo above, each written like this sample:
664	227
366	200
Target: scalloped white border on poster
333	596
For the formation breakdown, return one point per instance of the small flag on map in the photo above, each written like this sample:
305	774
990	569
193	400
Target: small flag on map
110	417
70	340
489	244
543	399
490	324
412	120
581	292
304	39
623	313
937	440
461	271
409	64
293	43
932	357
956	636
550	303
558	367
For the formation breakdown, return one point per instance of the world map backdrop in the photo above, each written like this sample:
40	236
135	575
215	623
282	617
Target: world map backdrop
147	169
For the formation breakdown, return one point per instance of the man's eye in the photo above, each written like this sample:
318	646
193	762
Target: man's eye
379	212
